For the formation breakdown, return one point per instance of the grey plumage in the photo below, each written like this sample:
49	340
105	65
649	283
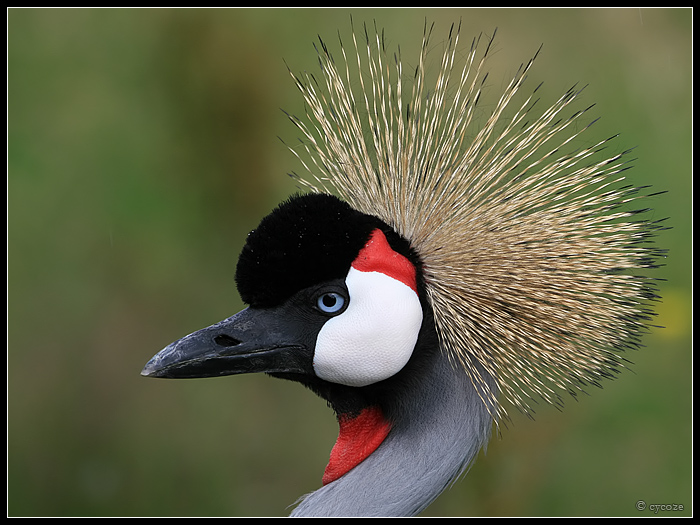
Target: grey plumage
441	424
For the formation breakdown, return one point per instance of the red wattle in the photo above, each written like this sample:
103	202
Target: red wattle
358	437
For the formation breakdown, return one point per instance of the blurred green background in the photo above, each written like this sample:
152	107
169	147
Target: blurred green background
143	146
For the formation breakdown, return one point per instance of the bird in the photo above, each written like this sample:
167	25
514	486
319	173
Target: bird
444	263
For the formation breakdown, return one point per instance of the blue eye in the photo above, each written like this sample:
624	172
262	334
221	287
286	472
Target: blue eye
330	302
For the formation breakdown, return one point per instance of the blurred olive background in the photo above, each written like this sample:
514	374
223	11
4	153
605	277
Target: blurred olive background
144	145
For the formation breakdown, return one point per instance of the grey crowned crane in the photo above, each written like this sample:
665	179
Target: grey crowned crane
437	271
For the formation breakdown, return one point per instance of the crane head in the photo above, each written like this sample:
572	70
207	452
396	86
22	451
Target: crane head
334	299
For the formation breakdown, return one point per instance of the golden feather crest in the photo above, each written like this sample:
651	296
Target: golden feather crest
529	245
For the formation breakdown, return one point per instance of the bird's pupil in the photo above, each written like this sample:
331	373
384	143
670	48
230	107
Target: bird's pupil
329	300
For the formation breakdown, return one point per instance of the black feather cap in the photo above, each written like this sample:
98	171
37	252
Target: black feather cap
308	239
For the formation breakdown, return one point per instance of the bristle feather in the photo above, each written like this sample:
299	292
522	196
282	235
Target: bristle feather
526	248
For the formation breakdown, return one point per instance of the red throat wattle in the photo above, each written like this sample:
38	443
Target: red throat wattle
358	437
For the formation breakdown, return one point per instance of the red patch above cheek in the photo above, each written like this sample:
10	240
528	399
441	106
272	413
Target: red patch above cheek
378	256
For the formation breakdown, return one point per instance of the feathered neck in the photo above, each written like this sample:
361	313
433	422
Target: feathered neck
439	424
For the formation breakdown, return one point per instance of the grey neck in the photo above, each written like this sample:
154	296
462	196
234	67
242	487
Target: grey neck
442	427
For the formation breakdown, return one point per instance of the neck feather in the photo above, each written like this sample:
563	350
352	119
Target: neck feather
439	424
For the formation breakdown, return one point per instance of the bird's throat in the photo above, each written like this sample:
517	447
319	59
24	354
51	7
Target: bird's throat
358	437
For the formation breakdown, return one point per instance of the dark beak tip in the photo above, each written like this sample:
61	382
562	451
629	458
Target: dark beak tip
161	364
158	364
150	370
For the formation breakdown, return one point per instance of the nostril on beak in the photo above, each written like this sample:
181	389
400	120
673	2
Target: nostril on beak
226	340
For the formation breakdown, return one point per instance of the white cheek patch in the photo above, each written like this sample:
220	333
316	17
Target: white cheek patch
375	336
